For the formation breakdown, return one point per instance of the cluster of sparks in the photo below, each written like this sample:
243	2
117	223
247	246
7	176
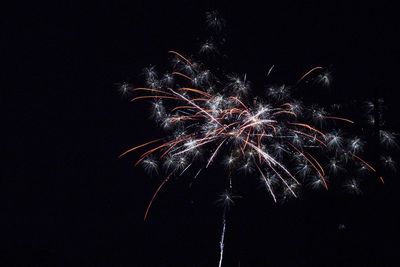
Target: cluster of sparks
280	140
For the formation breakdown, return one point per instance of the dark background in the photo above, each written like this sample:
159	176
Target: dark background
68	201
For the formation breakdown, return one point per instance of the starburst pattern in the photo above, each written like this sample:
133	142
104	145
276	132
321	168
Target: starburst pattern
280	139
212	119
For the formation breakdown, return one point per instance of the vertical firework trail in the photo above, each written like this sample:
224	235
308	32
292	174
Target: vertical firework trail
285	141
221	243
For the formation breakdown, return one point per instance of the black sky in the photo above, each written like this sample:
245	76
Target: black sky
68	200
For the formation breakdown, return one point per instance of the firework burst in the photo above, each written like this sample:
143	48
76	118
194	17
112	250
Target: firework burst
281	140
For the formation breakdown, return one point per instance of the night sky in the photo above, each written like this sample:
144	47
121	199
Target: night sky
67	200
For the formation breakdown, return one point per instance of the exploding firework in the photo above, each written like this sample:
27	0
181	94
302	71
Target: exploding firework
281	140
